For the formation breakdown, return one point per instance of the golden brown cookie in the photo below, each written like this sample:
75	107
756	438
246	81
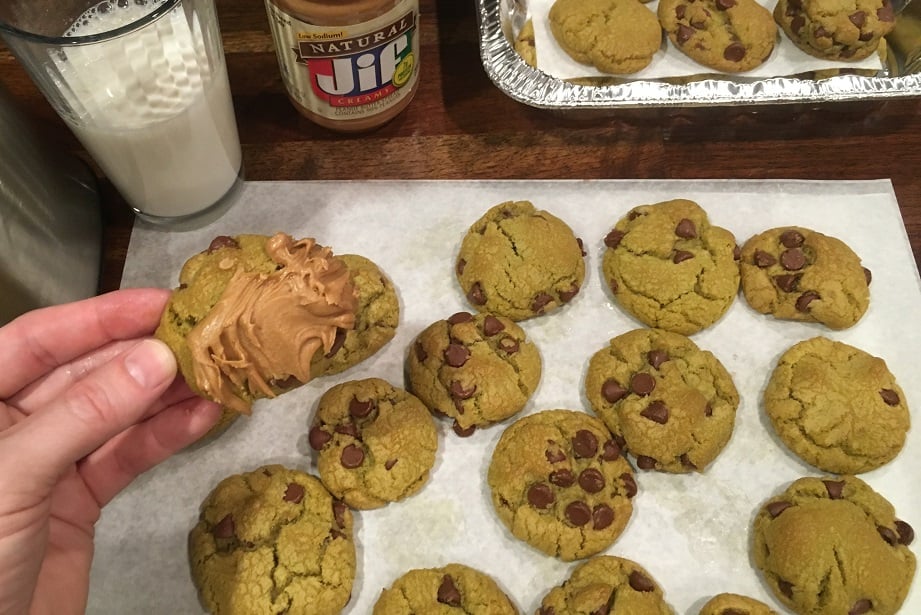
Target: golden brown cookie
795	273
375	443
734	604
272	541
454	588
666	401
670	268
615	36
559	483
519	262
833	546
477	370
609	585
837	407
841	31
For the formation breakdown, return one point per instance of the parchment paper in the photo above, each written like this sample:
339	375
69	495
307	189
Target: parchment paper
690	531
786	59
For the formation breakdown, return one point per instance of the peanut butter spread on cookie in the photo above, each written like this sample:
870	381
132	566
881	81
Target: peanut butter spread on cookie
266	328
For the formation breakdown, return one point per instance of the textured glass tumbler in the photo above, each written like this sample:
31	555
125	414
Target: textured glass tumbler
143	85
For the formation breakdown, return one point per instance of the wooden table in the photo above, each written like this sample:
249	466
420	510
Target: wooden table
460	126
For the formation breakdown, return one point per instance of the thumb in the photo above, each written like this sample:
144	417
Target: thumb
115	396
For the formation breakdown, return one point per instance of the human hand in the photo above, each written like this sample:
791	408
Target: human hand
88	401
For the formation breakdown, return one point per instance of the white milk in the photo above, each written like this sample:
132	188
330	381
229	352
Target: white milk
153	110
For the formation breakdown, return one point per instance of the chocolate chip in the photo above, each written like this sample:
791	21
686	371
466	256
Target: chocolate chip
509	344
858	18
868	275
540	302
222	241
461	265
834	488
680	11
686	229
581	246
463	432
612	239
787	282
633	214
476	296
555	455
792	259
349	429
629	484
792	238
700	23
821	32
567	295
725	4
578	513
686	461
459	406
797	23
860	607
681	255
708	410
890	397
736	252
459	392
562	478
785	587
546	610
492	325
339	510
338	343
388	465
657	412
684	34
540	496
886	12
584	444
318	438
612	391
294	493
591	480
224	529
888	535
612	284
351	457
906	533
421	354
644	462
775	508
456	355
360	409
459	317
642	384
640	582
803	301
602	516
734	52
762	259
448	592
610	451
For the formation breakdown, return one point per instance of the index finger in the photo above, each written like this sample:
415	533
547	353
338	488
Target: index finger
38	341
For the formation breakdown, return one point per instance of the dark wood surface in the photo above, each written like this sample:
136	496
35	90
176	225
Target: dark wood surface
460	126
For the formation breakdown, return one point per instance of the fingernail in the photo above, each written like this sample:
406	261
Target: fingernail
151	363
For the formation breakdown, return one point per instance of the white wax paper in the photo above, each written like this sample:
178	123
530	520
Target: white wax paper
690	531
786	59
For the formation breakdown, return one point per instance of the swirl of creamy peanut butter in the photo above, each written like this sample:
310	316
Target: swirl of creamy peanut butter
266	327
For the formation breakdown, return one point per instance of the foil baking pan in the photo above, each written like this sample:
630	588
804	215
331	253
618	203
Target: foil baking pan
501	21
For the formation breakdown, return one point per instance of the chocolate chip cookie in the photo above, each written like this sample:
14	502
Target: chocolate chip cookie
272	541
828	29
476	370
615	36
452	588
559	482
837	407
666	401
734	604
519	262
670	268
830	546
795	273
732	36
610	585
376	443
251	312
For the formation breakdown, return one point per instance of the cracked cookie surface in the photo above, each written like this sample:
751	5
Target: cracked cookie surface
836	30
272	541
795	273
670	268
833	546
520	262
375	443
475	369
610	585
615	36
728	35
735	604
837	407
559	483
667	402
454	588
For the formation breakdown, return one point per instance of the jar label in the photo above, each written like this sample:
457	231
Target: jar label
348	72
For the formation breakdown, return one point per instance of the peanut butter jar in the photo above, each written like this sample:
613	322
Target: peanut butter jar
348	65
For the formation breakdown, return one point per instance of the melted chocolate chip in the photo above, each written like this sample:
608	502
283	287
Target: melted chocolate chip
610	451
540	302
509	345
448	592
708	410
459	317
680	11
456	355
776	508
681	255
222	241
351	457
612	284
612	239
492	325
686	461
476	296
890	397
736	252
421	354
905	531
885	12
860	607
725	4
629	484
834	488
787	282
785	587
888	535
461	265
642	384
318	438
868	275
562	478
294	493
657	412
644	462
224	529
640	582
584	444
349	429
734	52
568	295
684	34
463	432
762	259
360	409
602	516
858	18
591	480
612	391
339	510
459	392
555	455
388	465
686	229
656	358
792	259
792	238
338	343
578	513
540	496
803	301
797	23
581	246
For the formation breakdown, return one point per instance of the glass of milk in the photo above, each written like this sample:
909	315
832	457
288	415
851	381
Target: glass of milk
143	85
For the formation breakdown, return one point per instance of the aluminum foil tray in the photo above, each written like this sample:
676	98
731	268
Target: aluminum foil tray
500	21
